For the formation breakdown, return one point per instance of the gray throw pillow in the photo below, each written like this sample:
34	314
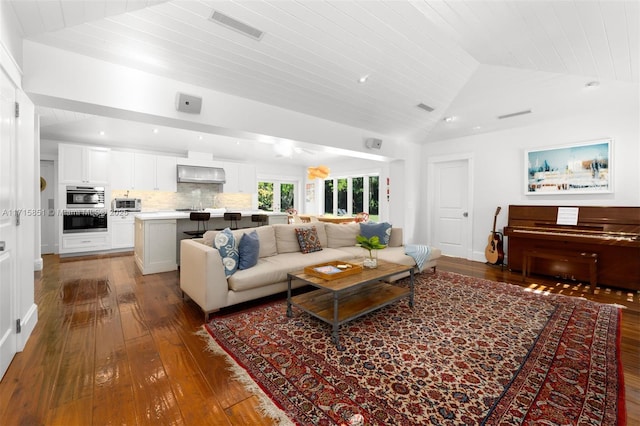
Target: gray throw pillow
249	250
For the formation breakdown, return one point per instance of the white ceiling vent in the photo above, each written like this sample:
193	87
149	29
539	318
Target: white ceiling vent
425	107
234	24
514	114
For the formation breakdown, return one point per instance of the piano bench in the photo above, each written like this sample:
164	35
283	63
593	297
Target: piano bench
590	259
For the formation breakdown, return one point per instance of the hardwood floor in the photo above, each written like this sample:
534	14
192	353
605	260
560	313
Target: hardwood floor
114	347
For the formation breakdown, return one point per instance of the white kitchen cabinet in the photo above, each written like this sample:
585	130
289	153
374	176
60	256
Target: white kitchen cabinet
166	173
240	178
232	183
155	245
83	164
121	170
84	242
122	231
154	172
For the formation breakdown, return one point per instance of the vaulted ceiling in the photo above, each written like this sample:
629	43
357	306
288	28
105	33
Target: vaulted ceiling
471	60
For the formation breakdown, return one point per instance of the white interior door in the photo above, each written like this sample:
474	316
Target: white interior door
8	340
47	204
451	217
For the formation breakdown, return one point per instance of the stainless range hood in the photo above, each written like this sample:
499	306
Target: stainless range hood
197	174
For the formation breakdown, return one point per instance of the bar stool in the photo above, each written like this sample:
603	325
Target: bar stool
202	218
233	218
261	219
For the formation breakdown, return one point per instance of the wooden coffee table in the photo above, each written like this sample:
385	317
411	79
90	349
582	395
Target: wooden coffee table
344	299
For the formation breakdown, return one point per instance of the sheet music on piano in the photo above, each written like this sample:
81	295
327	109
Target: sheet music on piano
567	216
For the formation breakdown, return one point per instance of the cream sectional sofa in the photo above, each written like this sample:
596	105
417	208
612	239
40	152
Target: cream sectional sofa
202	275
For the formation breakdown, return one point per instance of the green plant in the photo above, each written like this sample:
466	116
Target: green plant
372	243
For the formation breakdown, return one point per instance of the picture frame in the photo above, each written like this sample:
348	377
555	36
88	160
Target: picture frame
580	168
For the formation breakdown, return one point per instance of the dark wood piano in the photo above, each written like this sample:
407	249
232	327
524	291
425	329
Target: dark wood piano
613	233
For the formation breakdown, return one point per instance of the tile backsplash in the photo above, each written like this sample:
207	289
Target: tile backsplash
189	195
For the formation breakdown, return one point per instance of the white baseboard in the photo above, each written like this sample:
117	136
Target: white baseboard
27	324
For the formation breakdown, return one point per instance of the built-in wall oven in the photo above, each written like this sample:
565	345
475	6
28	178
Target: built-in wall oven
85	210
84	220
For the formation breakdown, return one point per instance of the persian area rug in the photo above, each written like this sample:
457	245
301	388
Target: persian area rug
471	352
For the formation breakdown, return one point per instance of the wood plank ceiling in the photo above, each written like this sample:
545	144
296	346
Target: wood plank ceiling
313	53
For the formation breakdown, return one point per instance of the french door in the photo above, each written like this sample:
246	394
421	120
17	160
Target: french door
8	339
277	195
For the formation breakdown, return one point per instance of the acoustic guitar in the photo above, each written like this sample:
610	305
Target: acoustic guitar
494	252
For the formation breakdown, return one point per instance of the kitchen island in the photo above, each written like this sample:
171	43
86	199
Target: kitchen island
158	235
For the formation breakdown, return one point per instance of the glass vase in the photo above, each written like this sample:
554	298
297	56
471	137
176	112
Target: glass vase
371	259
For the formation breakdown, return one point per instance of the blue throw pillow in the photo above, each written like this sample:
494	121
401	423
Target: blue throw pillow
248	249
226	245
382	230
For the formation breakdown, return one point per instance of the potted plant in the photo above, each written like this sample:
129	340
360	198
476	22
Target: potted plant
372	245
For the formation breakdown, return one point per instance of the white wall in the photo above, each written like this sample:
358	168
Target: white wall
499	164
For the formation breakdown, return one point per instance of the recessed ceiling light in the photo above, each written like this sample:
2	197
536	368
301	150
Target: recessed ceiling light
155	130
592	84
448	119
477	127
363	79
101	132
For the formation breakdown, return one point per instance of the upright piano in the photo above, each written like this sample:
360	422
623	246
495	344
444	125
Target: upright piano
613	233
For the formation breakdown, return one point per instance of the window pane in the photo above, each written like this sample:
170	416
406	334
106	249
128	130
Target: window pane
342	196
357	188
373	196
265	196
286	196
328	196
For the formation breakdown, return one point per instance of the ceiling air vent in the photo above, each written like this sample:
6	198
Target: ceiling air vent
425	107
514	114
234	24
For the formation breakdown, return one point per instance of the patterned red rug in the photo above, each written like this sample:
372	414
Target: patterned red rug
471	352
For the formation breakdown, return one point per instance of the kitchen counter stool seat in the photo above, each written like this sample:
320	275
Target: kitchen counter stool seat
260	219
202	218
233	218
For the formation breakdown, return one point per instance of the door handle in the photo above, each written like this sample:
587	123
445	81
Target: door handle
465	214
1	245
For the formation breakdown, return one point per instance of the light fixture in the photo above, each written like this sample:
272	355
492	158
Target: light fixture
155	131
101	132
320	172
448	119
199	137
592	85
363	79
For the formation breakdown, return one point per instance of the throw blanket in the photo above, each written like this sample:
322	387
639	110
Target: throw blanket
419	252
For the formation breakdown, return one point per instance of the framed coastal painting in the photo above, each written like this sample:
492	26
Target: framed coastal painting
583	168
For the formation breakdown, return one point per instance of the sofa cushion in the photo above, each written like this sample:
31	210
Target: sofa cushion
381	230
287	241
308	240
271	270
395	239
266	236
341	234
225	242
248	250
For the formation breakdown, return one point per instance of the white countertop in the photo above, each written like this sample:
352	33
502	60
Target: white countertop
215	213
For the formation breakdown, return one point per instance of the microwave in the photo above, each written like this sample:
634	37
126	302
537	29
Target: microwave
85	197
126	204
